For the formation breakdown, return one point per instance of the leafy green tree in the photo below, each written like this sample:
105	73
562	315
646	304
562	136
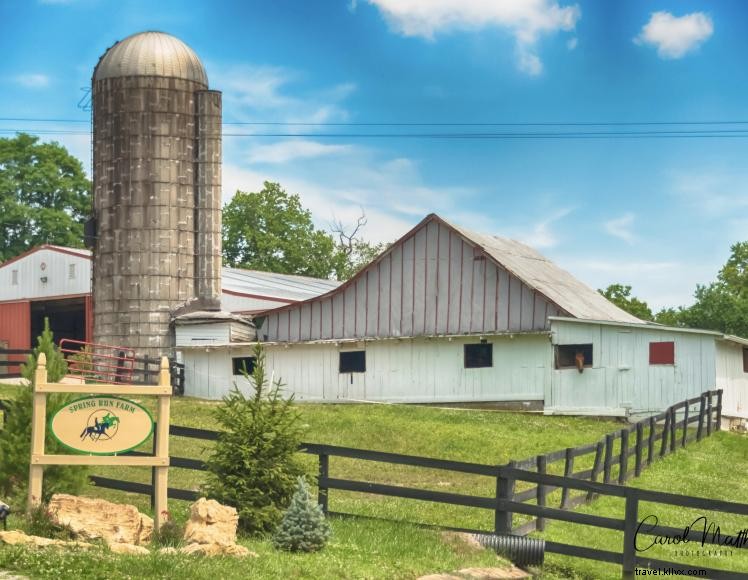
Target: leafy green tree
620	295
44	195
253	466
271	231
15	443
723	304
304	527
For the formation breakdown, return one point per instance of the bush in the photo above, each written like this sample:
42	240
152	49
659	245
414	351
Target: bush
170	534
15	443
39	523
304	527
253	466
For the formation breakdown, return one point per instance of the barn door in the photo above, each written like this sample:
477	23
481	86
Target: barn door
352	375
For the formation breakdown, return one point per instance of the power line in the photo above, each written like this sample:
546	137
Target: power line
644	134
429	124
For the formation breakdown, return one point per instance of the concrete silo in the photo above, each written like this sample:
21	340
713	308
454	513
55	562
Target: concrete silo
157	191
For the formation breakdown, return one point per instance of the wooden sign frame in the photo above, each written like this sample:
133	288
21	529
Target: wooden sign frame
159	461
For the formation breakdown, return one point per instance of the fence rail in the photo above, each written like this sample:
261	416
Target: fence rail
11	360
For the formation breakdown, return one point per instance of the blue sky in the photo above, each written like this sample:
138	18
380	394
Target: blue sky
659	214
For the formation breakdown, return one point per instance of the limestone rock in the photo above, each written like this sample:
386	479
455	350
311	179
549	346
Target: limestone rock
217	550
211	523
92	518
131	549
16	538
169	551
493	573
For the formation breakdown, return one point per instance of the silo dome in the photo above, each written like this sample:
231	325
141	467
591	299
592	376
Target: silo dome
152	54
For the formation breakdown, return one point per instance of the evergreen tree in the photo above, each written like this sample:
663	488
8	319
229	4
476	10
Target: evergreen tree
304	527
15	443
253	466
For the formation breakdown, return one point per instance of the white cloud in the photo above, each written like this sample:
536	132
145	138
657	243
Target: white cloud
32	80
621	227
527	20
541	235
712	193
285	151
571	44
255	93
675	36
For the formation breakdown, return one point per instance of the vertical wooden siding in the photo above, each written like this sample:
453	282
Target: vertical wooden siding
15	324
433	282
732	379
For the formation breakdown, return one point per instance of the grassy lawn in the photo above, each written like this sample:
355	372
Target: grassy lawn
372	549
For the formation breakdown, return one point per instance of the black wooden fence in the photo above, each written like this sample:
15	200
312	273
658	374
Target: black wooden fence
11	360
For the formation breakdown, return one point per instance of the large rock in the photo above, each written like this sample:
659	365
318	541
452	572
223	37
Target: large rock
91	519
129	549
217	550
211	523
16	538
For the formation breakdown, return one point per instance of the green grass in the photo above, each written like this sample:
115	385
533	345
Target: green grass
372	549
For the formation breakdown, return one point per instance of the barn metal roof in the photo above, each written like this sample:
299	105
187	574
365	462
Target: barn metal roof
279	286
154	54
540	273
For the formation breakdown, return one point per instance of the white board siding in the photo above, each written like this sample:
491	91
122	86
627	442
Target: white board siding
407	370
431	283
621	377
202	334
56	270
732	379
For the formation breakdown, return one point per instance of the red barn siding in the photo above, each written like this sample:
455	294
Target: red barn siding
15	324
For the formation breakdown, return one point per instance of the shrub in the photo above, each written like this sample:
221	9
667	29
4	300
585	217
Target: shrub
253	465
15	443
170	534
304	527
39	523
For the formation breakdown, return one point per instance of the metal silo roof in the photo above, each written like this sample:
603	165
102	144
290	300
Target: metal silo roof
151	54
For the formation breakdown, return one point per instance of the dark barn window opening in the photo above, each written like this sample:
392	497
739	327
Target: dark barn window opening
241	363
478	355
569	356
353	361
745	360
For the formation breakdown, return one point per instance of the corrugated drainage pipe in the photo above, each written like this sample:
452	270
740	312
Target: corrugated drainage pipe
520	550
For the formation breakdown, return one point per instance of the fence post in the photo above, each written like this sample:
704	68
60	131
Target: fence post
608	458
672	428
709	414
542	493
623	462
700	430
685	425
639	437
322	491
629	536
568	472
651	441
153	470
597	466
665	433
504	491
719	410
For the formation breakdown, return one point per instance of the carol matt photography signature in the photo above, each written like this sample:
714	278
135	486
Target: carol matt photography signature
704	532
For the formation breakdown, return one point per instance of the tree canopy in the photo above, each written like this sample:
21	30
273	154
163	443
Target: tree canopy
620	295
270	230
44	195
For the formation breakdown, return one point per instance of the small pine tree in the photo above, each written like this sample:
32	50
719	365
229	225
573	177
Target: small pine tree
15	443
253	466
304	527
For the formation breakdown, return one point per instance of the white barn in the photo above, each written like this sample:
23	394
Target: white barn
449	315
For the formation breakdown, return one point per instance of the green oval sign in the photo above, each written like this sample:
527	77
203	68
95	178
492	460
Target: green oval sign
101	425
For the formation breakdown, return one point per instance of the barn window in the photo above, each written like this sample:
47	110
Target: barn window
478	355
353	361
239	363
745	360
71	271
568	356
14	277
662	353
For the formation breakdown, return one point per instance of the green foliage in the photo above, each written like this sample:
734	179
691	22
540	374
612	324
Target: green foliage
253	465
44	195
271	231
39	523
169	535
304	527
15	443
620	295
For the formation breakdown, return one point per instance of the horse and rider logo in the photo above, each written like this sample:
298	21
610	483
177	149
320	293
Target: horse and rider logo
102	425
106	428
